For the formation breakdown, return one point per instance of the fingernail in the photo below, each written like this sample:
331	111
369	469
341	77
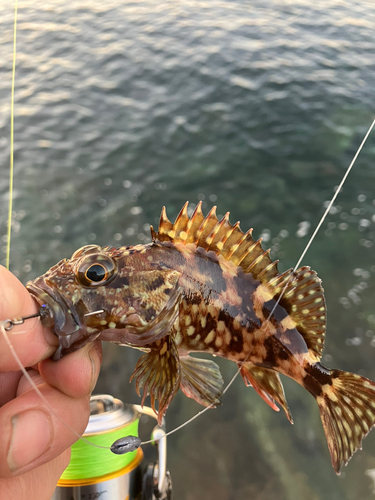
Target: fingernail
31	436
95	362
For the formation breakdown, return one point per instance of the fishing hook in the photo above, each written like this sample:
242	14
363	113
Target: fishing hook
8	324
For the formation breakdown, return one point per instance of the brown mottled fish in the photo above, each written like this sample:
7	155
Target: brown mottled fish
203	285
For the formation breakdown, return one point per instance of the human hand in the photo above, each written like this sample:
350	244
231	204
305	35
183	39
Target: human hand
34	443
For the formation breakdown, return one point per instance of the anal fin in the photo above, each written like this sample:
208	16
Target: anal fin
159	373
267	384
201	380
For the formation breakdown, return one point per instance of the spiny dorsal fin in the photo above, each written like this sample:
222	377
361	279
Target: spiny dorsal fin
303	298
220	237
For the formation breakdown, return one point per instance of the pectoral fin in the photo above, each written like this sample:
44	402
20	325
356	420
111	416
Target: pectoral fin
147	333
159	373
201	380
267	384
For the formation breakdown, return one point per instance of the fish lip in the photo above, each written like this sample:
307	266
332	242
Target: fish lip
65	320
70	330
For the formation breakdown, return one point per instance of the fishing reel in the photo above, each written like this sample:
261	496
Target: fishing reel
95	473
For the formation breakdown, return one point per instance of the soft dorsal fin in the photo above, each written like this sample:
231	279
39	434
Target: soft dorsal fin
303	298
220	237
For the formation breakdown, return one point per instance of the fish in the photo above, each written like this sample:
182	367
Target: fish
202	285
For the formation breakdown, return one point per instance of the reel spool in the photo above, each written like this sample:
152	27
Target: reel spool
95	473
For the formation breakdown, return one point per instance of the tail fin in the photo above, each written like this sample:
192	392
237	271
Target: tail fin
347	410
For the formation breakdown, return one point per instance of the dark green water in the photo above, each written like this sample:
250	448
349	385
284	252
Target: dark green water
257	107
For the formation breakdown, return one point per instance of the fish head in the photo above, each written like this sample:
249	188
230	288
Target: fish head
106	293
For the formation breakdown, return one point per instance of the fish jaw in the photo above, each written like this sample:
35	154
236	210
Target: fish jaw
59	312
70	324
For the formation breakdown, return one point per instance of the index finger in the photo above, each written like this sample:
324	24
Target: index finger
37	342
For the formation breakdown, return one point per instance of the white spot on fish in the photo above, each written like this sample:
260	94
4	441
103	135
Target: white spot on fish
220	326
195	308
190	330
218	342
210	337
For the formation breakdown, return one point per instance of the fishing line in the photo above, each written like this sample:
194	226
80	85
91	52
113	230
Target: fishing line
10	204
335	195
324	216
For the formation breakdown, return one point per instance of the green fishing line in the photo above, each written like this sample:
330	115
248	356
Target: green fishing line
11	139
89	462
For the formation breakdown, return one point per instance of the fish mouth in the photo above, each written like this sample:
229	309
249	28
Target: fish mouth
58	313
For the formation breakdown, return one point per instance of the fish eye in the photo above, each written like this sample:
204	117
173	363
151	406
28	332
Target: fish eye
95	270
